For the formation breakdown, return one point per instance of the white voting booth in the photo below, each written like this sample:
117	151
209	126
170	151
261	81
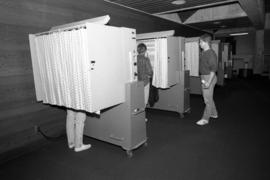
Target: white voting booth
90	66
192	49
192	56
227	60
166	54
216	45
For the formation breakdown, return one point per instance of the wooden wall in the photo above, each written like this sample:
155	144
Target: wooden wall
19	111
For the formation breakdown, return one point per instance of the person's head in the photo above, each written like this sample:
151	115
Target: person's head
205	41
141	48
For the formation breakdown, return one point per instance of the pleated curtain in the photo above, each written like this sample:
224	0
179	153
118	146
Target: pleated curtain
192	57
160	78
158	55
64	68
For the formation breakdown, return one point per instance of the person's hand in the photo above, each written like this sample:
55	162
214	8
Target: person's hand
205	84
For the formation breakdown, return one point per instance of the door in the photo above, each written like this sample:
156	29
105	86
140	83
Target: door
173	60
107	66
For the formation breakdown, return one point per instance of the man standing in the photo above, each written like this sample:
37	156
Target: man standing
207	68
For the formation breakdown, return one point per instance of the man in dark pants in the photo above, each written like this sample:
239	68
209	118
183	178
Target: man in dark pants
208	67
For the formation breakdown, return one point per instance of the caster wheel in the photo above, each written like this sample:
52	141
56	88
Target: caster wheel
129	153
145	144
181	115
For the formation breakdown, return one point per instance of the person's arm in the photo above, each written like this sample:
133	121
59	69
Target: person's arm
207	83
213	68
149	68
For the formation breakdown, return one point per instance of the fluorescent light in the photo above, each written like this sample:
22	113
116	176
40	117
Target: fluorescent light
239	34
178	2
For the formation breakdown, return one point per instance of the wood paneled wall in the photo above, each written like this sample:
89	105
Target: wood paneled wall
19	111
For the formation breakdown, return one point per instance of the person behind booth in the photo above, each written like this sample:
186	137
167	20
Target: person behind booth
145	71
207	67
74	128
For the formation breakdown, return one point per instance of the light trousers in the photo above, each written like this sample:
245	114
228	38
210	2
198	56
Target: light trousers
74	127
208	93
146	93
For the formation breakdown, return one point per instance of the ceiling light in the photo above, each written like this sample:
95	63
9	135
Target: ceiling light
178	2
216	22
239	34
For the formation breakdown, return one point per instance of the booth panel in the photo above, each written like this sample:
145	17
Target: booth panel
124	124
169	99
136	95
173	59
186	79
138	131
195	85
107	74
186	100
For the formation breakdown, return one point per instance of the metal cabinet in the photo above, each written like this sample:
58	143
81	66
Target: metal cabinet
124	124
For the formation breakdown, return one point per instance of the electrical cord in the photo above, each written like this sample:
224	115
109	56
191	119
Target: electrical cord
50	138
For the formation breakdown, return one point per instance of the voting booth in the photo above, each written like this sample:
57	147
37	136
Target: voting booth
216	45
192	57
166	54
227	60
91	67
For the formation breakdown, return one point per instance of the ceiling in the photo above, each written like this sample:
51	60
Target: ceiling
267	6
237	14
161	6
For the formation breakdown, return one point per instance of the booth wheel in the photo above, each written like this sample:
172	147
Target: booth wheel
129	153
145	144
182	115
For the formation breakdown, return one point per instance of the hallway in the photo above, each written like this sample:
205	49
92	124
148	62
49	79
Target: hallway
233	147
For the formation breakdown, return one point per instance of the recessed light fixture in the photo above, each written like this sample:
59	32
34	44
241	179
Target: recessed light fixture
178	2
239	34
216	22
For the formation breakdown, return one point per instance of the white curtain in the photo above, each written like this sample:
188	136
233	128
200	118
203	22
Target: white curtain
158	55
64	68
192	57
160	78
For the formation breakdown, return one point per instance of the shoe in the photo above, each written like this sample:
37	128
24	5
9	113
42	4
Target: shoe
71	146
214	116
202	122
82	148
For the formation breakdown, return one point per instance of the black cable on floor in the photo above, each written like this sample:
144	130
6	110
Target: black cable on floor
50	138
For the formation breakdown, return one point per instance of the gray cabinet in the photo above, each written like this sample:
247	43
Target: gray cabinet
176	98
124	124
184	92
